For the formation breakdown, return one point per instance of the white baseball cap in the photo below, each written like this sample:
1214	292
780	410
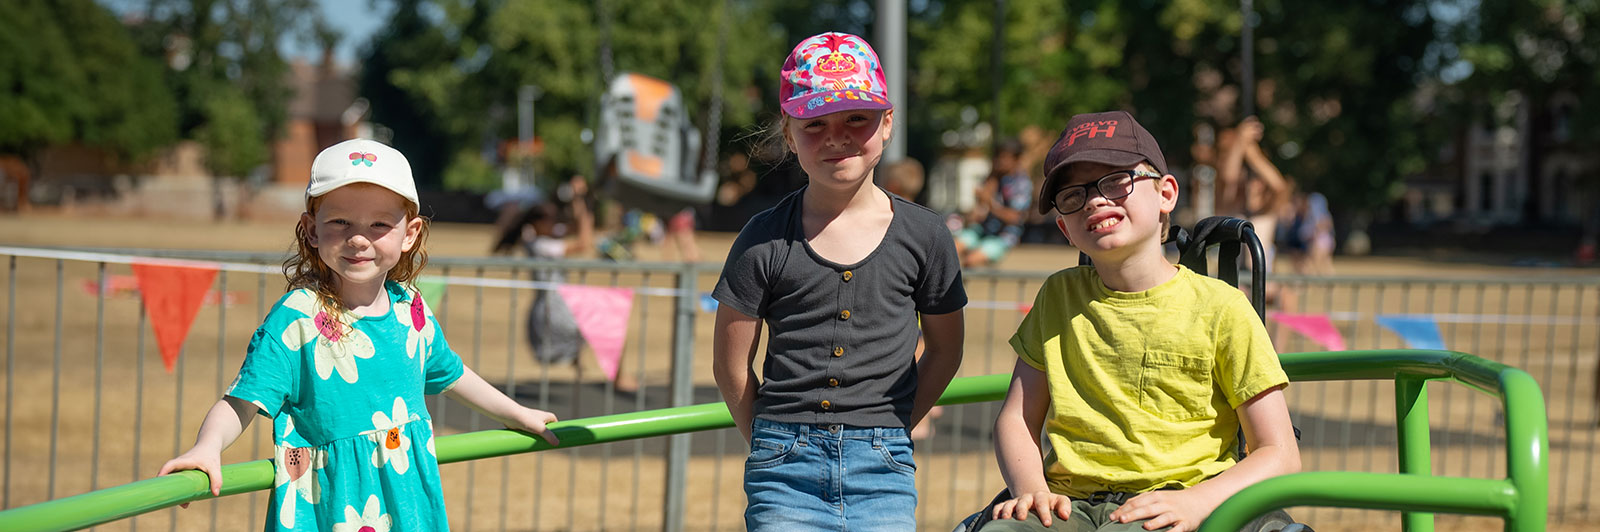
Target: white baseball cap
361	161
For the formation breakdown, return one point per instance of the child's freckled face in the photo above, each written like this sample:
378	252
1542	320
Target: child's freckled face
360	231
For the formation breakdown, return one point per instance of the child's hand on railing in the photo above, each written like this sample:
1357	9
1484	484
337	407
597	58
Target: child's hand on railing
534	421
206	460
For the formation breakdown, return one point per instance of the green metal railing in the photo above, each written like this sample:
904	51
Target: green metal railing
1521	498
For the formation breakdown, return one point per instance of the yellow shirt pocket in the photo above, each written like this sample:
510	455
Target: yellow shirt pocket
1175	386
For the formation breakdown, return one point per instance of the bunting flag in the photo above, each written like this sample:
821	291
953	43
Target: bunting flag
708	303
1419	332
1317	327
432	289
172	295
602	316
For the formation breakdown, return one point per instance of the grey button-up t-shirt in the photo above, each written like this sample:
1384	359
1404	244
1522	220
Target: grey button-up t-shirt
841	337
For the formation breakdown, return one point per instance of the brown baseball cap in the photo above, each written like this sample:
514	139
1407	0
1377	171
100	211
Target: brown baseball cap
1111	138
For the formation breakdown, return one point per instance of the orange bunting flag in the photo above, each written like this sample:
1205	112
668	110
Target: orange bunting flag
602	316
172	295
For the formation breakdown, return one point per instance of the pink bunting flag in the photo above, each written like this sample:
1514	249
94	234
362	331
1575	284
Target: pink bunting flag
172	295
1317	327
602	316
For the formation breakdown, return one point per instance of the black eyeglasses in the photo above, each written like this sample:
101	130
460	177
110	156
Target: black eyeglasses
1115	185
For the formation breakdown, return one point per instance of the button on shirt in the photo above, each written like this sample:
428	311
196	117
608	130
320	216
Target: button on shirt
842	338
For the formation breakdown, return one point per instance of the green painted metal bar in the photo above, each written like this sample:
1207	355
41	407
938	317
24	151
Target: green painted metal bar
128	500
1411	411
103	506
1521	499
1379	491
1527	449
1527	436
1385	364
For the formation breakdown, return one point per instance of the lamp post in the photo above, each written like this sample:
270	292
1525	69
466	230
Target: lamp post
891	38
525	97
1247	61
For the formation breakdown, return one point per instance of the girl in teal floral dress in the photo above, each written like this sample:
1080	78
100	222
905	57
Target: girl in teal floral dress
342	362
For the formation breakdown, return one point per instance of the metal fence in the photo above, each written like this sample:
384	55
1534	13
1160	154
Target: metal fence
89	410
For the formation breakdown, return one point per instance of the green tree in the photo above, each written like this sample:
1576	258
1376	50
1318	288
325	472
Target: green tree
47	84
1343	81
233	146
1053	64
1540	56
1532	49
80	83
470	172
1335	79
461	72
221	49
408	42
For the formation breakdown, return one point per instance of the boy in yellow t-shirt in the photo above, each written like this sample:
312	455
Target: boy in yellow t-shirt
1139	372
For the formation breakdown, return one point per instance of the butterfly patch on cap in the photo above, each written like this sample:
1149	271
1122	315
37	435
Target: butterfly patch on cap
356	161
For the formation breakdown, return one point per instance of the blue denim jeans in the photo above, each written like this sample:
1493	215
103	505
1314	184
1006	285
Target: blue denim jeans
829	477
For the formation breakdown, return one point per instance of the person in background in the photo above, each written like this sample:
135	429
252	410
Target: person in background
740	180
904	178
541	234
994	225
1261	196
1310	235
541	229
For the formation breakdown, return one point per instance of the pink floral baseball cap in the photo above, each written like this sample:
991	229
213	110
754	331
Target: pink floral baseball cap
832	72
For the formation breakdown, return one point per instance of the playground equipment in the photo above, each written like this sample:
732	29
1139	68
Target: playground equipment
647	148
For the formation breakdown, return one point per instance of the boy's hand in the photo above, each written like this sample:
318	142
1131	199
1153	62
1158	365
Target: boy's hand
1182	510
534	421
1042	502
207	462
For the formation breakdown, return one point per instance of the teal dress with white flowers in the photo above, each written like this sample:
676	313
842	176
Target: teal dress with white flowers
353	441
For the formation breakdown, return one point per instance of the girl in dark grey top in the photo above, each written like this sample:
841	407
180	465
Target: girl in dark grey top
854	324
840	271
